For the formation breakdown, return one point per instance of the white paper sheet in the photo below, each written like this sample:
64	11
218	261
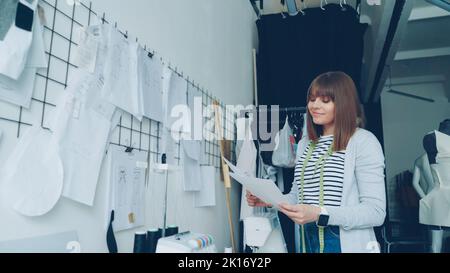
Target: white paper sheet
128	187
121	74
264	189
80	112
176	96
15	47
195	98
85	55
206	197
150	86
191	165
33	174
20	91
65	242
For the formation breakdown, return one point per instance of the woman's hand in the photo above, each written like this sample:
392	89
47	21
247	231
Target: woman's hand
254	201
301	214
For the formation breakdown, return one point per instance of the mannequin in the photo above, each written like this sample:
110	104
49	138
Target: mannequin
433	170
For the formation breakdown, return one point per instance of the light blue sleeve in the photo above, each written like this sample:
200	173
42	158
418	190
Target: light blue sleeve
369	172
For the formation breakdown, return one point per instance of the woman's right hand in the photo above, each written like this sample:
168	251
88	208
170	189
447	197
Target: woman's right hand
254	201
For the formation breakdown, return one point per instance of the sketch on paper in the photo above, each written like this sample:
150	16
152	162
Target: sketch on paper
127	188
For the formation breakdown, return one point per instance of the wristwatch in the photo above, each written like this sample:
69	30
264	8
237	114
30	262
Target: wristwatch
323	218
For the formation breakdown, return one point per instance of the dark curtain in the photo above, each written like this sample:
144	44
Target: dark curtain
295	50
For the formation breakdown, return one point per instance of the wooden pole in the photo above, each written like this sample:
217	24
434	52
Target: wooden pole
225	171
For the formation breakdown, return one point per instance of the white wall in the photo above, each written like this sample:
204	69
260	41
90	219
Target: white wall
405	123
211	41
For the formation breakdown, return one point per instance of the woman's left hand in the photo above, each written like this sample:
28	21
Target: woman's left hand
301	214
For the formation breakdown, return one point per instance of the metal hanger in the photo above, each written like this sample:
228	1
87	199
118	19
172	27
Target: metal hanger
302	8
321	4
342	7
283	4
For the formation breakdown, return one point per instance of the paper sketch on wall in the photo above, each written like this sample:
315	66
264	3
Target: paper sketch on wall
127	187
32	177
19	90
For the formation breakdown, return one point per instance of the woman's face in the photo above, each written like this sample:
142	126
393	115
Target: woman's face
322	110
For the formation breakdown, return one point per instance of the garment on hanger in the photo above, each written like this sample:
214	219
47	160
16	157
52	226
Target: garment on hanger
246	161
121	86
15	46
434	207
80	112
20	91
35	191
284	153
191	165
151	85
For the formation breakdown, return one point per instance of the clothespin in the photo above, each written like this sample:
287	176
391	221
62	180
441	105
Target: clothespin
129	150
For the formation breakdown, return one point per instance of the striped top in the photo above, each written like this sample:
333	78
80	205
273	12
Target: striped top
333	175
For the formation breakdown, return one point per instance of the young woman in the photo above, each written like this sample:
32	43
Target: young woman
338	194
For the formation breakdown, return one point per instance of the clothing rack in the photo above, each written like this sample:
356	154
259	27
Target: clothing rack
258	10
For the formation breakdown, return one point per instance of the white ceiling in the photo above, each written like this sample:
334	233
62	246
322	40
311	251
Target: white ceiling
424	49
421	46
274	6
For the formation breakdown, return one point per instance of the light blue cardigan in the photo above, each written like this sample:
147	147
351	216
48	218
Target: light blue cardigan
363	204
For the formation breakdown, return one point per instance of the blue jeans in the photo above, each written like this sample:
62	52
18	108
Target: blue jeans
331	239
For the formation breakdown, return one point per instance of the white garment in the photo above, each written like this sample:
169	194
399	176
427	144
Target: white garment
121	74
191	165
33	174
15	47
82	128
20	91
434	208
246	161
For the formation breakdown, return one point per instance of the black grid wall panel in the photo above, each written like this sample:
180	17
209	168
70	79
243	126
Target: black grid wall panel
60	29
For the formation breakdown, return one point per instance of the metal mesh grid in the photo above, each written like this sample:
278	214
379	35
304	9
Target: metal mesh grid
59	29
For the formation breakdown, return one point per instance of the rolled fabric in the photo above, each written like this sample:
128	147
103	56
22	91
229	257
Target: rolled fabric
171	230
140	242
153	235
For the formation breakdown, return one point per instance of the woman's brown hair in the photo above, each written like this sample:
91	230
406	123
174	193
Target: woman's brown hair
341	89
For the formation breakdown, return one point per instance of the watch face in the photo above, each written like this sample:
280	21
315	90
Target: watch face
323	220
